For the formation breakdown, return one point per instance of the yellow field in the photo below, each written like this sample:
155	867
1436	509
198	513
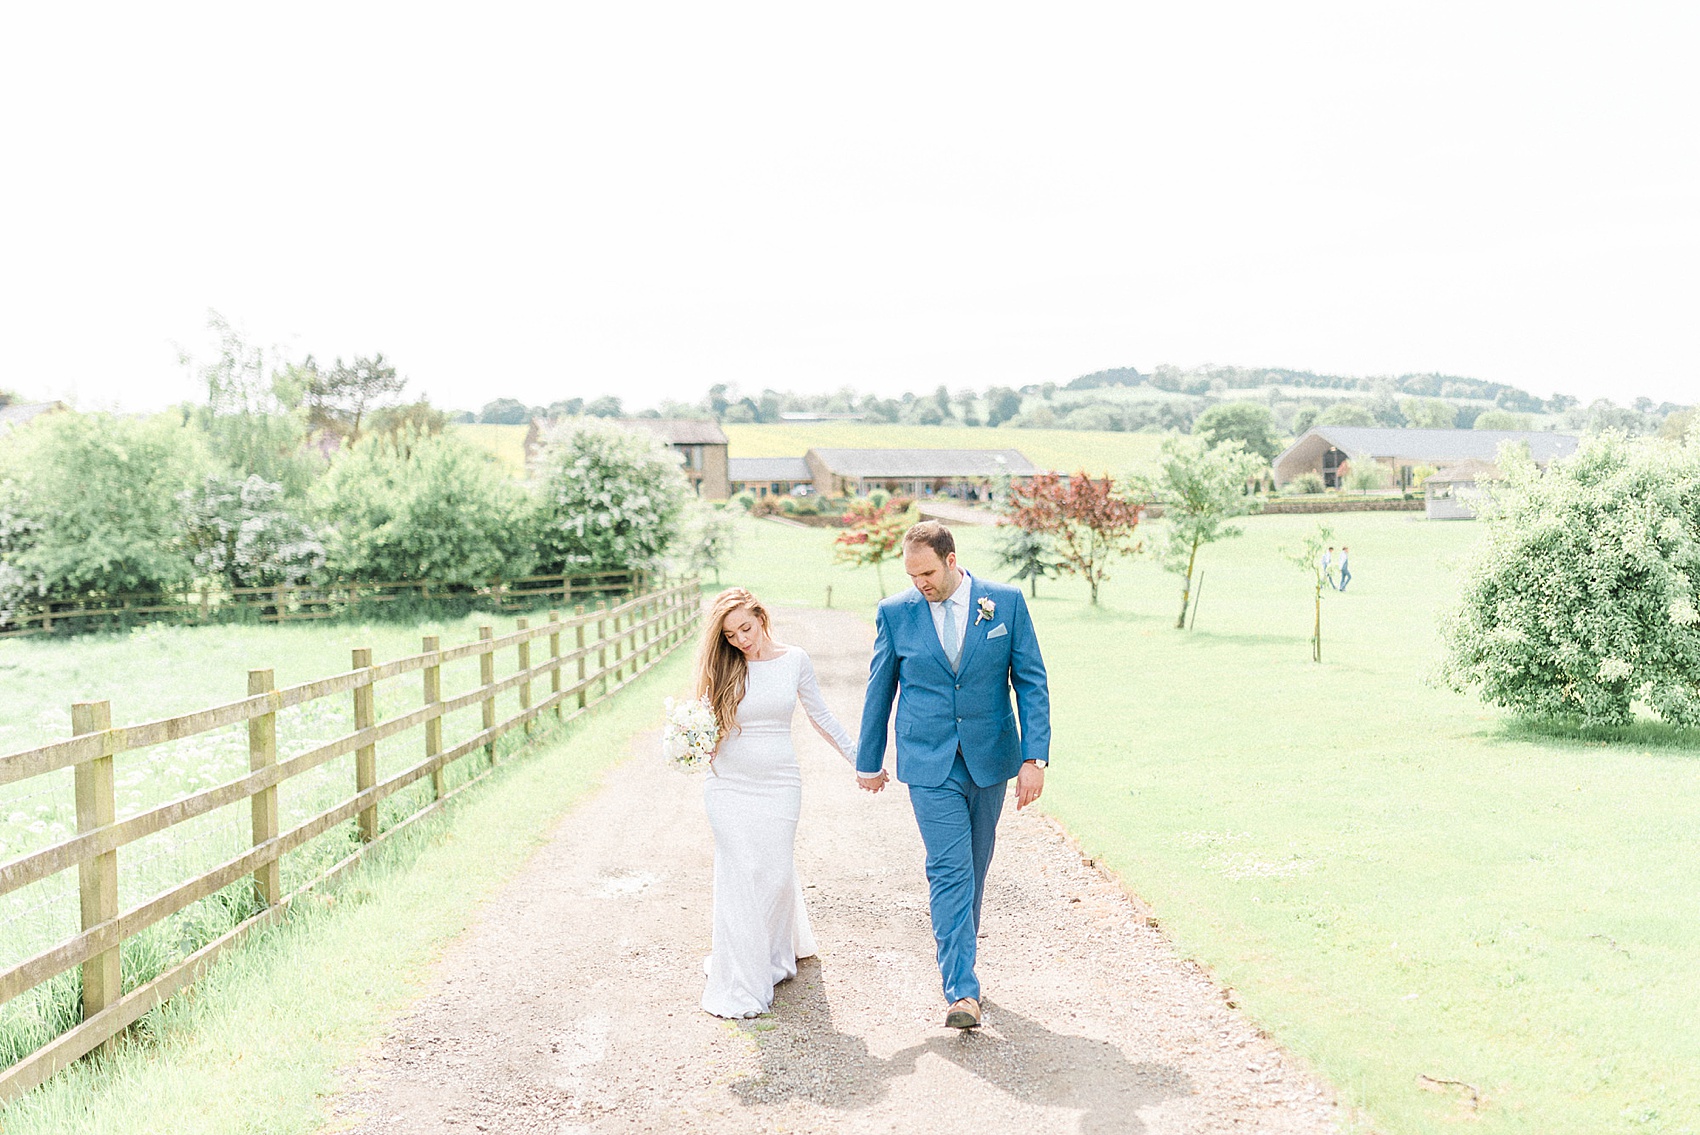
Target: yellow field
1064	450
505	443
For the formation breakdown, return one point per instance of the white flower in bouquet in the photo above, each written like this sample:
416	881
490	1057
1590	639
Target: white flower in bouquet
691	733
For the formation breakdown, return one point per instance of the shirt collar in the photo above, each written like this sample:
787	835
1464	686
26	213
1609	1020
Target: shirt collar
960	595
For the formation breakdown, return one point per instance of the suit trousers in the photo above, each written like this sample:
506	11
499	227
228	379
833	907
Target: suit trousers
959	823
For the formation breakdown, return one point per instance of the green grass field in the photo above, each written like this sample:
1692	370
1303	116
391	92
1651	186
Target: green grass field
161	671
258	1044
1397	881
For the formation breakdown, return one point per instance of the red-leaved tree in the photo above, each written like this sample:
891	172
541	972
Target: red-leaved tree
1089	522
872	533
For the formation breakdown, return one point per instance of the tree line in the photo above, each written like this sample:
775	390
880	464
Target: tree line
290	473
1168	399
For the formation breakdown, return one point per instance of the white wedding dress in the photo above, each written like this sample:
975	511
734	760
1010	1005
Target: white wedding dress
753	794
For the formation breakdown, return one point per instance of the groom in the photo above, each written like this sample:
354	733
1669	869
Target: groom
956	646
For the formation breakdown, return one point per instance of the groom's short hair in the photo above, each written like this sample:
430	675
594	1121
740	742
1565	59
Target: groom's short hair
933	534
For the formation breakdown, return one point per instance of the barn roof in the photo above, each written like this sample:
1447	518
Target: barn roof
899	463
768	469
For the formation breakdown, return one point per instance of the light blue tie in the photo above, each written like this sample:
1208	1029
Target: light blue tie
952	646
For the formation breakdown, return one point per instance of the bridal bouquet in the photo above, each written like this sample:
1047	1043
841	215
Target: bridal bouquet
691	733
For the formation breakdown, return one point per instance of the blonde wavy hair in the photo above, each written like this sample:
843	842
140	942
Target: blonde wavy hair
722	670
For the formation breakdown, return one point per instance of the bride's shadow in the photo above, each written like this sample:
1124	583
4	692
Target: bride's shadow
804	1057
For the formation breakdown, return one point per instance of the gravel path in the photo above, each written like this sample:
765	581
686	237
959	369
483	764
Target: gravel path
571	1005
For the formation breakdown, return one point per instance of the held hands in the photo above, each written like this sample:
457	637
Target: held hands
872	783
1029	785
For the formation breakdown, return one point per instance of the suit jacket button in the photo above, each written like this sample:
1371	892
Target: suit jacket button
959	721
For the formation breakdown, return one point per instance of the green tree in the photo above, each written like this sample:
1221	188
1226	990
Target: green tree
339	399
505	412
1429	413
250	418
1201	487
712	538
1346	414
1249	423
1582	597
1304	417
610	498
1028	555
94	503
1366	476
421	508
1502	420
1307	557
1002	404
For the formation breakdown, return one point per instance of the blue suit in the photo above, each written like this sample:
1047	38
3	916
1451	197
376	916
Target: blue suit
957	745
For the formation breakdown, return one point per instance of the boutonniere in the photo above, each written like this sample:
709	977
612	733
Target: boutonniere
988	610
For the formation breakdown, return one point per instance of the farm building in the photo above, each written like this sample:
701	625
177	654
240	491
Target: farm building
967	474
701	447
769	476
1455	493
1331	451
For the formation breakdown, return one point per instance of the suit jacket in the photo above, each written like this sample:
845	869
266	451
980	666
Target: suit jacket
940	711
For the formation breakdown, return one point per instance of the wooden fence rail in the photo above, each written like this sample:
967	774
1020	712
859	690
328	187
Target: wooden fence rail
610	646
297	602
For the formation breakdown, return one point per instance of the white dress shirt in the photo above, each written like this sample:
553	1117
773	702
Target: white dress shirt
959	600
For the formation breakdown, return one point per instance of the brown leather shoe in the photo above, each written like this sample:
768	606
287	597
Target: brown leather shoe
964	1014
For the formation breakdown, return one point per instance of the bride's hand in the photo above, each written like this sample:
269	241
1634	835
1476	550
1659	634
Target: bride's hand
872	783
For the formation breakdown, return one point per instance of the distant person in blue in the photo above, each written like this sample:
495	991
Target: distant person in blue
951	653
1328	567
1345	569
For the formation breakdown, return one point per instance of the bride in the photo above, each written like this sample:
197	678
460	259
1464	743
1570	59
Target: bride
753	794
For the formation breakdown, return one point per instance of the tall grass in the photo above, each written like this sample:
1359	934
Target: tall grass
257	1044
160	671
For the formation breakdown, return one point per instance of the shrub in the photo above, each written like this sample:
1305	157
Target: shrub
745	500
421	508
711	540
1582	597
610	498
878	497
237	530
93	507
1308	483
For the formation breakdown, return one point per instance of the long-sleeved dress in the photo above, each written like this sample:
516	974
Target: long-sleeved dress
753	795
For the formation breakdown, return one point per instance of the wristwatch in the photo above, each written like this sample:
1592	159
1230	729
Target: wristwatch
1036	761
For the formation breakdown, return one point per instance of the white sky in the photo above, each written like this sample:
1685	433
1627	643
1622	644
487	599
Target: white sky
561	200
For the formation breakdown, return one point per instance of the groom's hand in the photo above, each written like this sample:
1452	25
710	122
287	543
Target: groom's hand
872	783
1029	784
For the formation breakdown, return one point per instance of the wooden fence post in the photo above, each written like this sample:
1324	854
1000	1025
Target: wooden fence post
555	660
486	679
619	651
524	651
434	727
97	878
262	753
366	756
602	644
578	636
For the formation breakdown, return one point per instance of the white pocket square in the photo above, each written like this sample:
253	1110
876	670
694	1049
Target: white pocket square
998	631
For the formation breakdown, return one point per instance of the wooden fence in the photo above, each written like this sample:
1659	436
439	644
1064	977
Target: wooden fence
294	602
603	650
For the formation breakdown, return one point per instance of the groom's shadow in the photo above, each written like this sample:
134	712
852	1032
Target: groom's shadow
804	1057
